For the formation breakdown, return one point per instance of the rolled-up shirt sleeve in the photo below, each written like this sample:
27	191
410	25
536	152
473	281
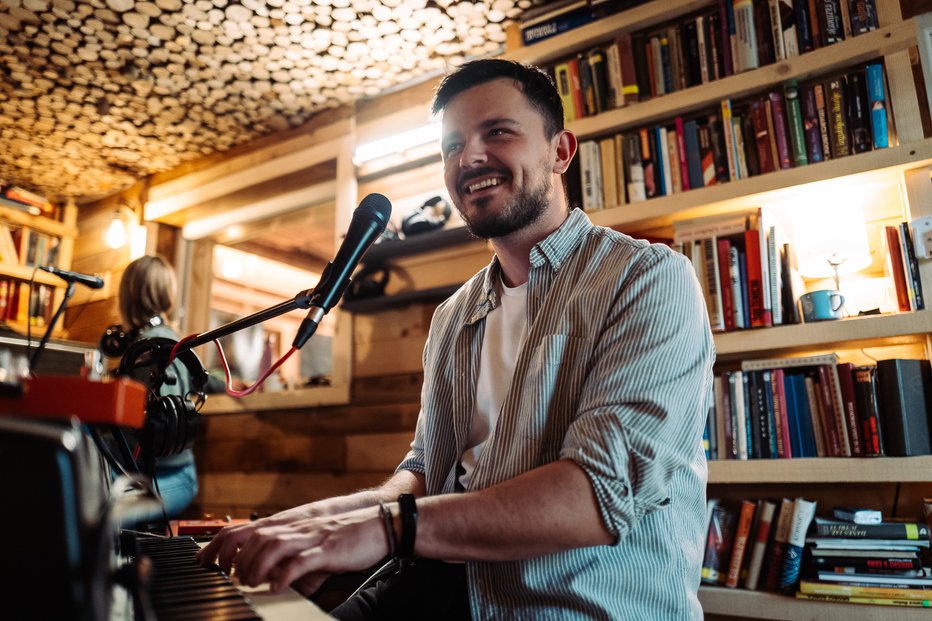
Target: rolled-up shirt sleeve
646	396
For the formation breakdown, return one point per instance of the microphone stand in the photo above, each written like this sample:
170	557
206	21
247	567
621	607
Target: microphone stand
301	301
69	291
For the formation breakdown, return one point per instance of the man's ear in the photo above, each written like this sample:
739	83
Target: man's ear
566	148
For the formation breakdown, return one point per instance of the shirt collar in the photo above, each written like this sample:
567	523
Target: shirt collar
553	250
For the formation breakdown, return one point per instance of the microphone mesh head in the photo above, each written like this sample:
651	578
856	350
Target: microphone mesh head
379	207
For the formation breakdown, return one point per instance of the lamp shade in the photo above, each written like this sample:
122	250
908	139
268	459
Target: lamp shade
831	237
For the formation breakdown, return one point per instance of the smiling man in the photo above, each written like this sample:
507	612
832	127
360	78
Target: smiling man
556	470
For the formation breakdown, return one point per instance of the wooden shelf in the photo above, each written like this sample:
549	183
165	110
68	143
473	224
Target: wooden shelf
25	273
416	244
743	603
896	329
38	223
383	302
716	199
822	470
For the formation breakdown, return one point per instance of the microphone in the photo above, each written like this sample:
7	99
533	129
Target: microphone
94	282
369	221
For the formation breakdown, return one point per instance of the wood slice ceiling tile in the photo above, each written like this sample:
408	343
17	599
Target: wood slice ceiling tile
96	94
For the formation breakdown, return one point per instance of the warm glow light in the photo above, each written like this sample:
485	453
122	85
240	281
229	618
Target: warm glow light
833	234
115	237
137	241
397	143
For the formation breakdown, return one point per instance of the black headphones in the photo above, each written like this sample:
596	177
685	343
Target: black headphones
171	421
116	339
430	216
369	282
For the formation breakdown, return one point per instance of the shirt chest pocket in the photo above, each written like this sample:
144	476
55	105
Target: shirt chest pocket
549	391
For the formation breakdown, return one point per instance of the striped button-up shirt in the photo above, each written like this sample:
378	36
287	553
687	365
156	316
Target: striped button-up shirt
616	375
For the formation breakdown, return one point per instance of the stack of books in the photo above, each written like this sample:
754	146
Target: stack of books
878	562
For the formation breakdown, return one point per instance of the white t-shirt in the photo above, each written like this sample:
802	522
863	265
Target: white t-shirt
505	331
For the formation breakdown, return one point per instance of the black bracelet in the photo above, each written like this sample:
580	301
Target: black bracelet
408	509
389	523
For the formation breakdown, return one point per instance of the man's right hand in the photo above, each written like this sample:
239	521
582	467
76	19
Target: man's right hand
226	543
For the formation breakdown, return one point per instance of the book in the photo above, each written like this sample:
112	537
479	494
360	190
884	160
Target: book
693	154
562	19
630	85
875	601
803	513
590	167
563	81
781	130
876	579
905	390
795	125
846	382
740	542
759	544
858	112
774	557
894	266
598	69
787	13
837	121
609	161
829	17
857	515
901	529
634	168
729	137
746	55
776	29
804	30
818	92
911	268
863	16
761	136
865	392
718	545
616	98
877	103
812	131
826	588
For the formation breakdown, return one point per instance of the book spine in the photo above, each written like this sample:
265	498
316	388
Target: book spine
780	130
780	417
745	36
874	601
630	85
590	168
858	113
739	547
719	148
830	21
716	309
755	279
759	545
761	136
794	118
782	526
877	102
863	16
803	26
787	14
634	168
818	92
693	154
827	588
838	123
565	89
729	135
905	531
616	98
776	30
803	512
811	128
728	303
685	181
865	385
917	301
538	31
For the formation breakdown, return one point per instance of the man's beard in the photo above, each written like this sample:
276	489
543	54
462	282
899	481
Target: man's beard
523	209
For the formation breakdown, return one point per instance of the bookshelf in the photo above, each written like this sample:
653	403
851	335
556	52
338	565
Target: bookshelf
903	168
65	231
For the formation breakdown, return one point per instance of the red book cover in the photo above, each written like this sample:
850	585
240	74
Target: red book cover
759	315
724	278
718	545
846	380
781	130
681	143
761	136
829	420
894	265
629	78
740	545
578	104
780	415
758	546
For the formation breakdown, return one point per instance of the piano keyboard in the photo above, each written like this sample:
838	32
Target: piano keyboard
180	588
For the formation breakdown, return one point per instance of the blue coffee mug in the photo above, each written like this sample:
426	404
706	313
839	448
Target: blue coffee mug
821	305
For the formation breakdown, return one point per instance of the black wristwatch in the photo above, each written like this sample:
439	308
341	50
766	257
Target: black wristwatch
408	509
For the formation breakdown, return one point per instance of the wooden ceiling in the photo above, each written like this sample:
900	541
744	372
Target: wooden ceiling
97	94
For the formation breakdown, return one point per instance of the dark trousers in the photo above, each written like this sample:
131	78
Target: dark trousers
425	589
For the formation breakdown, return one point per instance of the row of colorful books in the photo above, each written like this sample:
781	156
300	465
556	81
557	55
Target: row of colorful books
782	546
548	19
816	406
730	37
23	245
796	125
24	302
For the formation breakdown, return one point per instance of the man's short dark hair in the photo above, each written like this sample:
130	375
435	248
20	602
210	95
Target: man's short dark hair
536	85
